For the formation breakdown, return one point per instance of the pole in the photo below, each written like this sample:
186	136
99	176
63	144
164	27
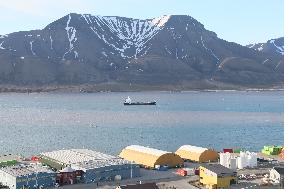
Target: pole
36	179
131	171
27	180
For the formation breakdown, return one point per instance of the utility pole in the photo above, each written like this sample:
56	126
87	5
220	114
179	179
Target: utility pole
131	171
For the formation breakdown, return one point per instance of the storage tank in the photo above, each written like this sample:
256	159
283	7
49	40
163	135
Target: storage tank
243	157
223	159
233	163
249	160
241	162
117	177
253	159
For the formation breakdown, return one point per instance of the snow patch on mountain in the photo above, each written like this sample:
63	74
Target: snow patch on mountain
31	45
278	64
51	42
210	50
71	35
251	45
161	21
131	35
76	54
260	48
279	49
265	61
1	45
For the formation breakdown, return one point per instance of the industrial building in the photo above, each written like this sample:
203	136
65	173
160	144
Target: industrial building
272	150
90	166
150	157
216	176
27	176
197	154
9	160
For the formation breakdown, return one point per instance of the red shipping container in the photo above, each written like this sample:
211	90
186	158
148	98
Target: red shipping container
35	158
282	154
181	172
229	150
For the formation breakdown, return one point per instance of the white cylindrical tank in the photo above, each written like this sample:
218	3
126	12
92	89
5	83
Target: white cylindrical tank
223	159
117	177
243	156
241	162
249	161
253	159
233	163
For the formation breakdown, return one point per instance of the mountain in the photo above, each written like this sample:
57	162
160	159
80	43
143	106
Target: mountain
273	46
173	51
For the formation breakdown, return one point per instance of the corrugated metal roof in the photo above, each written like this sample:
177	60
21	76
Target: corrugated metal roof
147	150
84	159
98	164
192	148
23	170
77	155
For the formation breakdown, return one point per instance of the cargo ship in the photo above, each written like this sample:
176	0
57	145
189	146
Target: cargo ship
128	101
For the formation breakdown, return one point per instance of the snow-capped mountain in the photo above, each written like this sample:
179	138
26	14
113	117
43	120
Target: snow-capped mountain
173	50
274	46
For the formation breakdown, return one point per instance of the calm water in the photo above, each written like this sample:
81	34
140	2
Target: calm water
34	123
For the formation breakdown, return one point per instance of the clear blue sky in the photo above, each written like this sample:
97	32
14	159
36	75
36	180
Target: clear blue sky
242	21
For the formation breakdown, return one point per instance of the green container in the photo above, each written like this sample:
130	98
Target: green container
8	163
238	150
272	150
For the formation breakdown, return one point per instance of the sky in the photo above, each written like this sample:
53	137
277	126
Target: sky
241	21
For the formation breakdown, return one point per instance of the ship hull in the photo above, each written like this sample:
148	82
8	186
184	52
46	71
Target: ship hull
139	103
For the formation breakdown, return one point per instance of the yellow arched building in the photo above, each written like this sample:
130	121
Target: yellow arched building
150	157
197	154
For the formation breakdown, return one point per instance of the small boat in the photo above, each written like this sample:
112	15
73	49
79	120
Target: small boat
128	101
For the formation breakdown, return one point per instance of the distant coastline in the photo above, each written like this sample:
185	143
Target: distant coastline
90	88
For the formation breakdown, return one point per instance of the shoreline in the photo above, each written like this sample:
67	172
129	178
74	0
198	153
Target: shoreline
72	90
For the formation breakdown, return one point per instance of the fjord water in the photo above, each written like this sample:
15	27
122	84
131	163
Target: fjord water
38	122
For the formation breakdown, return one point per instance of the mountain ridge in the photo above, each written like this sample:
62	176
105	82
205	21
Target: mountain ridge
165	51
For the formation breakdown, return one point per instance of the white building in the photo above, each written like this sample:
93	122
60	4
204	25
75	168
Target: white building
277	174
30	176
246	159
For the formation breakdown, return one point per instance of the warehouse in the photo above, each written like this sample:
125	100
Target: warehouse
9	160
197	154
217	176
90	166
27	176
150	157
